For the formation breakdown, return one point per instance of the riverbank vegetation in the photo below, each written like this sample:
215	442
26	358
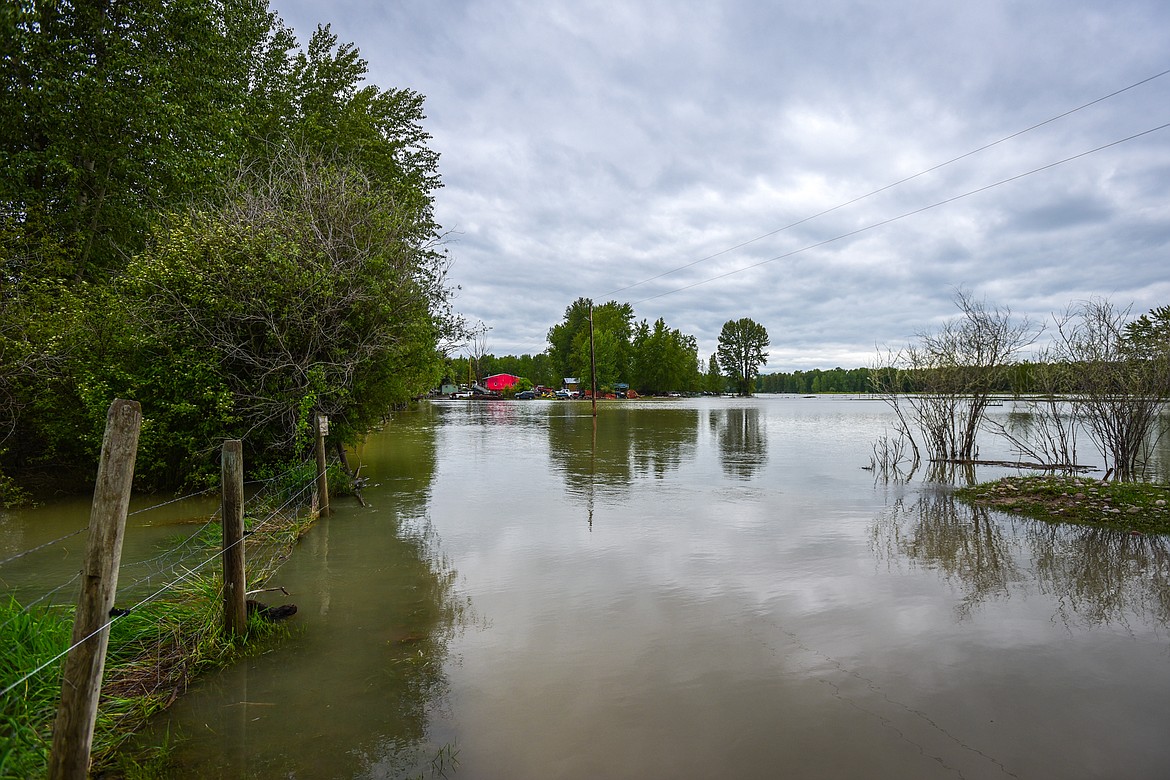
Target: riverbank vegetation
232	229
1102	374
1136	507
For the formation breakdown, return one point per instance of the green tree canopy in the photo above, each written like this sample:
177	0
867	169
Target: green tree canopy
741	351
157	243
665	359
1149	335
612	328
714	381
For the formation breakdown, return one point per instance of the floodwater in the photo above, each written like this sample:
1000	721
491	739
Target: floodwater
691	589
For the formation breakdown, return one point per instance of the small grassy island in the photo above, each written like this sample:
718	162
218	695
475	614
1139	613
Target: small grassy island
1139	507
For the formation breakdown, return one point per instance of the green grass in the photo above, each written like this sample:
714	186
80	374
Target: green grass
1140	507
29	639
154	653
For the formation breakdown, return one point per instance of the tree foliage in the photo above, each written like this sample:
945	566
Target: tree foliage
665	359
200	214
741	352
651	359
1148	336
612	329
713	381
305	295
817	380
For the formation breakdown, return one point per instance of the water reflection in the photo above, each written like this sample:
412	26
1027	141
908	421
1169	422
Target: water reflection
1096	576
353	691
743	441
932	529
627	444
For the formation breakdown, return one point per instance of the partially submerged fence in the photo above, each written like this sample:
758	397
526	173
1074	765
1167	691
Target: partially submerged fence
97	582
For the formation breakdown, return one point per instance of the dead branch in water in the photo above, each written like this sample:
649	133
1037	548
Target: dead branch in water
1019	464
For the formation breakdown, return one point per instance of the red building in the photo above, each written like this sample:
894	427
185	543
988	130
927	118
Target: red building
498	382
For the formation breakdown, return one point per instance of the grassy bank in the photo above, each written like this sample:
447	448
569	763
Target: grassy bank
154	652
1139	507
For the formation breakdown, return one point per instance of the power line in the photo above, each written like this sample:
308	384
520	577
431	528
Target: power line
931	169
907	214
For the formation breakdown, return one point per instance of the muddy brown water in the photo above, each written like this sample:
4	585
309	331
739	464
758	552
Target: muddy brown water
697	588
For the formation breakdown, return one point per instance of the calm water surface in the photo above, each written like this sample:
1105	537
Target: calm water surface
695	589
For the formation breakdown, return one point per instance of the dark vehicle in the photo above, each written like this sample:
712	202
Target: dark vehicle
525	395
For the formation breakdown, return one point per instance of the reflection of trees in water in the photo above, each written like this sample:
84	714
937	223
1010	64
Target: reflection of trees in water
1095	575
967	546
383	667
414	679
627	444
1101	575
743	443
402	458
421	609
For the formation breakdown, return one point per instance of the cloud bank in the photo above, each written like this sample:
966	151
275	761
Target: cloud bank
670	154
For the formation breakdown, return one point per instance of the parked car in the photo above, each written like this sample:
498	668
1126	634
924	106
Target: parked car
563	394
525	395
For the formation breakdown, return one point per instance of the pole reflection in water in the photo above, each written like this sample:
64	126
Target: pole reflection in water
608	454
592	454
743	601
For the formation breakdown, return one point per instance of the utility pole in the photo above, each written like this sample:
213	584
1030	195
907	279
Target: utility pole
592	362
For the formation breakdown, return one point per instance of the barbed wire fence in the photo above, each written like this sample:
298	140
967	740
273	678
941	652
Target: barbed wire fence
272	497
276	512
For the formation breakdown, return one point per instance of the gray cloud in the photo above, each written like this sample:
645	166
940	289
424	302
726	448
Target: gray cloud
590	146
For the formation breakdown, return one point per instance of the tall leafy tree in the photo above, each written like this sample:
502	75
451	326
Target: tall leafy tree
168	131
612	328
111	112
665	359
741	351
304	293
713	382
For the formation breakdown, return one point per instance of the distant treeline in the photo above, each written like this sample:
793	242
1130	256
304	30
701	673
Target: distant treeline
1023	378
539	368
832	380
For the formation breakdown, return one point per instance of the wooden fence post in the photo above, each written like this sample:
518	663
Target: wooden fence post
82	678
322	476
235	612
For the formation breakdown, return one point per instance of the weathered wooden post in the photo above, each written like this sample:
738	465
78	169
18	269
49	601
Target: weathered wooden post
235	613
82	679
322	476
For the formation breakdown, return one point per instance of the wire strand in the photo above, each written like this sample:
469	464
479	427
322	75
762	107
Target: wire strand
879	190
157	593
904	215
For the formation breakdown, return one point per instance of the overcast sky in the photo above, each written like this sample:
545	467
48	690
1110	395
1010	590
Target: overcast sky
587	147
